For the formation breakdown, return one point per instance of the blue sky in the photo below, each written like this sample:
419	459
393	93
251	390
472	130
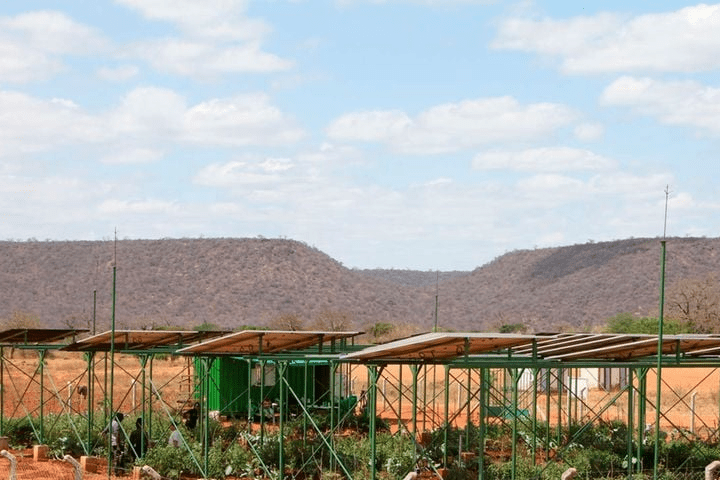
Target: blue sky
423	134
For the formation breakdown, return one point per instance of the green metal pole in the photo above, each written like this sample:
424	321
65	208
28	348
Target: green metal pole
424	398
642	408
205	397
481	424
262	402
112	372
515	375
561	379
143	411
372	409
534	415
630	424
152	399
90	396
400	396
548	384
468	410
249	396
658	394
414	370
281	447
447	415
41	369
333	372
305	401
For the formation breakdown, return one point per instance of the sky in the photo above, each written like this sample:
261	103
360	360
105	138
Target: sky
418	134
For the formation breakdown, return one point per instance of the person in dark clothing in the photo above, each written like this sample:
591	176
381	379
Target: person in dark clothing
191	416
139	439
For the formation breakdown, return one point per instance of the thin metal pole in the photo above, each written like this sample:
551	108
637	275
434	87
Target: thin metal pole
468	410
481	424
642	406
447	414
372	408
630	424
143	362
534	415
90	396
41	369
560	379
658	394
281	453
305	401
424	395
515	377
400	397
112	373
547	414
414	369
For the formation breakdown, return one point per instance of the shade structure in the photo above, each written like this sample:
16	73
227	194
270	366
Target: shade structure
141	340
16	336
258	342
440	346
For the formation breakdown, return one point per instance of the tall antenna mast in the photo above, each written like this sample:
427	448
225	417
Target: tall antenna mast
658	396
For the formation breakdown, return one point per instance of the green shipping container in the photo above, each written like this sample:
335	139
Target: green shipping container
233	379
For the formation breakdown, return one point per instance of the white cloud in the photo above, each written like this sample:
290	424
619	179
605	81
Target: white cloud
684	40
204	59
28	124
145	207
145	123
685	103
555	159
32	44
218	19
118	74
241	120
235	174
373	126
132	156
217	38
454	126
589	132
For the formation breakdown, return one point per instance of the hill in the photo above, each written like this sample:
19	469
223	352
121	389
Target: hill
234	282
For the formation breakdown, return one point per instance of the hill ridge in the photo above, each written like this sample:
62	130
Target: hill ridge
252	281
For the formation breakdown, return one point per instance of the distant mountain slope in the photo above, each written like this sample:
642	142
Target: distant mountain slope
232	282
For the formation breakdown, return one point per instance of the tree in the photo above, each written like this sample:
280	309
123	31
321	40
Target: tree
207	327
696	302
381	329
333	321
287	321
630	324
20	319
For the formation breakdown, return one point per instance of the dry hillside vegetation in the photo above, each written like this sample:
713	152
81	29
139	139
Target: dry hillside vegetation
234	282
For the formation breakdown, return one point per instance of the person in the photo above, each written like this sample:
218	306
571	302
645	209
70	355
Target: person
175	439
116	440
191	416
138	439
